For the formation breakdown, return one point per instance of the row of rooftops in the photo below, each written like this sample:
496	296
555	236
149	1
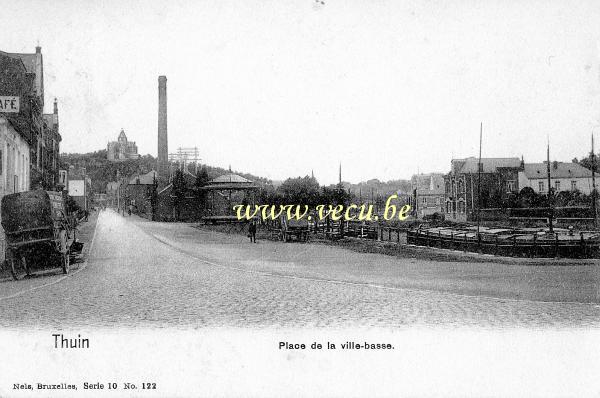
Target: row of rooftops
531	170
226	181
433	183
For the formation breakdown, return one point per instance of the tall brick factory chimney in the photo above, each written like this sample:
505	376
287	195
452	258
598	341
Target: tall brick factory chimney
163	146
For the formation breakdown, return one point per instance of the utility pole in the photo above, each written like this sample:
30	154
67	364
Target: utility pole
550	201
594	185
479	167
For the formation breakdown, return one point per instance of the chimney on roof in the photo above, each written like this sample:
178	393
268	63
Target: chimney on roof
55	106
38	49
555	165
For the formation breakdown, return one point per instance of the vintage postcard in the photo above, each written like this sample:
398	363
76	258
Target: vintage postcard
309	198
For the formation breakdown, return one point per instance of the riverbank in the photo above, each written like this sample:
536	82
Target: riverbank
404	250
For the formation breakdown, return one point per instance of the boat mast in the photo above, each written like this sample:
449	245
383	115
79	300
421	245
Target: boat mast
479	167
550	201
594	184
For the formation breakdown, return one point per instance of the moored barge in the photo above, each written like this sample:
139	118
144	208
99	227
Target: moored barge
526	242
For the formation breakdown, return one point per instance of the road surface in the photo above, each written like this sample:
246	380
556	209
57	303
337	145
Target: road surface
141	273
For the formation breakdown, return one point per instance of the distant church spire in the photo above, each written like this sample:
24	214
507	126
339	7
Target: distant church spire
312	174
340	178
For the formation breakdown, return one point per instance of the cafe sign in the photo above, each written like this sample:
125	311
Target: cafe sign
9	104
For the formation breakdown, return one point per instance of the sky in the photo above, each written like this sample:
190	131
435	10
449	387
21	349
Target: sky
283	88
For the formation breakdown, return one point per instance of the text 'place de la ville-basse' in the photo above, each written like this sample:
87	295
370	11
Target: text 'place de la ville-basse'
154	241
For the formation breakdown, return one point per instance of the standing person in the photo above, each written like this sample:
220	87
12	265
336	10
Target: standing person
129	209
252	231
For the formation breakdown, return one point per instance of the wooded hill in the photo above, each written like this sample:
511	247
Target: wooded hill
101	171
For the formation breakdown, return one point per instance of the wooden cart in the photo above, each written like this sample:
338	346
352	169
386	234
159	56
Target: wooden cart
39	231
293	228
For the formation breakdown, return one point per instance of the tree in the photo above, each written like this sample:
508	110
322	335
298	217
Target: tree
202	180
179	190
300	191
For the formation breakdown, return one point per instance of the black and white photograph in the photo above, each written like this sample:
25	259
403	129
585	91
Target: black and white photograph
304	198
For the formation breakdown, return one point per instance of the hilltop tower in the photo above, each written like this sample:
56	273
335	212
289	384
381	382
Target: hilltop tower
163	146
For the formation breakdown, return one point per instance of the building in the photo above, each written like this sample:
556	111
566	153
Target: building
140	192
112	193
20	127
563	177
428	191
79	186
122	149
52	139
499	178
32	103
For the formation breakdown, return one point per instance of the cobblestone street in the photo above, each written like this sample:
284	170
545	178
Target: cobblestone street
141	273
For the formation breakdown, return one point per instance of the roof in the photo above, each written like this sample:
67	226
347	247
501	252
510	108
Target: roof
33	64
144	179
230	186
432	183
122	134
490	165
29	60
51	118
229	179
557	170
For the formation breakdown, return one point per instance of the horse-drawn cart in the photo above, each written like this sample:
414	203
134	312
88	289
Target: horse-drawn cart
293	228
38	231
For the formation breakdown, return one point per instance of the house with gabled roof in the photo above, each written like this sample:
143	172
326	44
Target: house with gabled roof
564	176
499	178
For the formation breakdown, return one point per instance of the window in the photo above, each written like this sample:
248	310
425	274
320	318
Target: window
510	186
573	185
461	186
448	204
424	200
437	200
557	186
541	186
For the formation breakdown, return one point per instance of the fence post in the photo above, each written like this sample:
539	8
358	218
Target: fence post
398	231
534	251
465	247
514	246
556	245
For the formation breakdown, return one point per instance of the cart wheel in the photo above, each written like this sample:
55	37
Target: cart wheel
65	261
17	265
